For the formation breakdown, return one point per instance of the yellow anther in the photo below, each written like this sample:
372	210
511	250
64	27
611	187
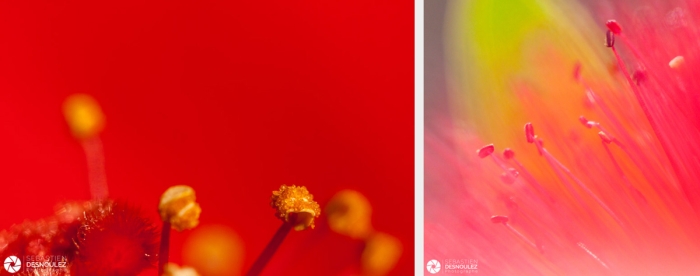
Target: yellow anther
381	254
349	213
214	250
84	116
295	205
172	269
179	208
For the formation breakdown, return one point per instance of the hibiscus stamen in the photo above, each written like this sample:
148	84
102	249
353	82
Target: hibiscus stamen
577	72
528	176
558	167
485	151
635	90
296	207
638	196
509	175
508	153
609	39
635	153
553	161
529	133
569	187
595	99
504	220
514	210
665	144
86	121
616	29
604	134
179	210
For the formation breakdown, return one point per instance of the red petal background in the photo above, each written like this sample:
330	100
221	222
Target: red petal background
233	98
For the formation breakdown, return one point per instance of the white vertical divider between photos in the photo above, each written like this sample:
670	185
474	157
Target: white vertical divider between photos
419	137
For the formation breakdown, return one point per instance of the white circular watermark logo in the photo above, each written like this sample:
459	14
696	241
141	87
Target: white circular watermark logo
12	264
433	266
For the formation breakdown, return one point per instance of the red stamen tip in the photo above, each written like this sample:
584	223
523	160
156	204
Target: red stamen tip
499	219
613	26
577	71
485	151
603	136
583	121
609	39
529	133
508	153
639	76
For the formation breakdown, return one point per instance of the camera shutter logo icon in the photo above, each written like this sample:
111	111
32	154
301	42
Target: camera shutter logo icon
12	264
433	266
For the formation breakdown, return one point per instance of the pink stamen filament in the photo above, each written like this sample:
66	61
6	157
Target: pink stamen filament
635	90
525	221
689	191
594	256
570	187
94	153
638	195
636	153
553	161
512	175
522	237
531	179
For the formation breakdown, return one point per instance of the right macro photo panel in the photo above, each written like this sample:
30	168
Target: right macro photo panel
561	137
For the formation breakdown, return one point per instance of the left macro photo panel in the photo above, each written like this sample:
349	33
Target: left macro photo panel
207	138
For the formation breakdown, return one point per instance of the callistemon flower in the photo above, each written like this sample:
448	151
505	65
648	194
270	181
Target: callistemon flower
571	146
